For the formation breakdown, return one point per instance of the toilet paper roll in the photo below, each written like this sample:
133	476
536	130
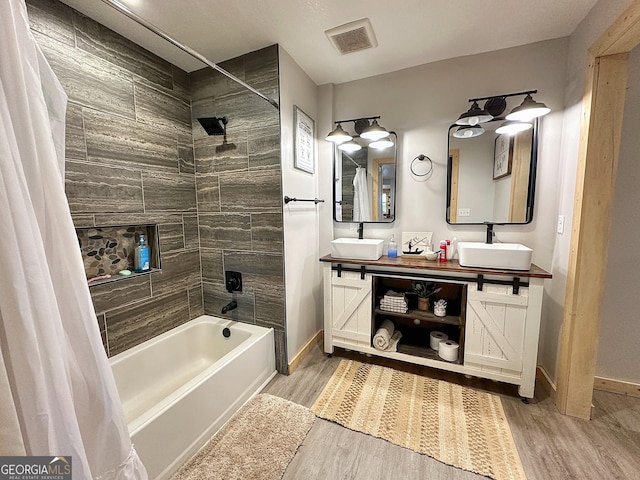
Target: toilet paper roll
435	338
448	350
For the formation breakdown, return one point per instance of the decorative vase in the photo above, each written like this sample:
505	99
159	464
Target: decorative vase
423	304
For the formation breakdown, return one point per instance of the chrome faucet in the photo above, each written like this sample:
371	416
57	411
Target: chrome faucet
230	306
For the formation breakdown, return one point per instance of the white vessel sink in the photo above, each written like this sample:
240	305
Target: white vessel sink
357	248
508	256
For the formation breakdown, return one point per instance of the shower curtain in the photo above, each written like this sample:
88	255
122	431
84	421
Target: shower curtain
57	393
361	199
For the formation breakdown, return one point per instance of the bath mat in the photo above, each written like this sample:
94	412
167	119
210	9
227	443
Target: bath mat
456	425
259	442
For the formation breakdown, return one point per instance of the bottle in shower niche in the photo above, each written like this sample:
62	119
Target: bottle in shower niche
141	259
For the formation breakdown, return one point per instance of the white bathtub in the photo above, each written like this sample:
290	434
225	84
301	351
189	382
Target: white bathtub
180	387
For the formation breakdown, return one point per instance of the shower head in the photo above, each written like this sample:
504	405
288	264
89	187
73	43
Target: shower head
214	125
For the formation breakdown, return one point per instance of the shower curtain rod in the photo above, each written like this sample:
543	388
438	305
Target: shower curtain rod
148	25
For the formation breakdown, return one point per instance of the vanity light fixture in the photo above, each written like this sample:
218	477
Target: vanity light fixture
468	131
528	110
363	128
511	127
495	106
338	135
350	146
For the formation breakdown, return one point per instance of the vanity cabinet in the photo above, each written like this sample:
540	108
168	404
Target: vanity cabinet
494	315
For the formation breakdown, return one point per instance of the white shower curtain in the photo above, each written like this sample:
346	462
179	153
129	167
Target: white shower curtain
57	391
361	199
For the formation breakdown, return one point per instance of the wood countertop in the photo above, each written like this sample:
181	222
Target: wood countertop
421	263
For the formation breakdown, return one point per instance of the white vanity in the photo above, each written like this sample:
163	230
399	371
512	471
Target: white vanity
494	315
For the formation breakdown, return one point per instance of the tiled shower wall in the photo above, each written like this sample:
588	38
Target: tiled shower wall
129	161
239	192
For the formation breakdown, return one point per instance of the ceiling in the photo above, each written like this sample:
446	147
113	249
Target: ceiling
409	32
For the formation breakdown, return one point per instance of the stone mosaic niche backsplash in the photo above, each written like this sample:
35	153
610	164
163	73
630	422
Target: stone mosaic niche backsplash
107	250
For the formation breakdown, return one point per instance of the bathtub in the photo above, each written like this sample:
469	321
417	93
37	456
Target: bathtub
180	387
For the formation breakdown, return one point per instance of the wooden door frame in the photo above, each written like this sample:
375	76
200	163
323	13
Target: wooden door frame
601	126
375	188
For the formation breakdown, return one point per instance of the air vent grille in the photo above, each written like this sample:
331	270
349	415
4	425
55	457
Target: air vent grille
353	37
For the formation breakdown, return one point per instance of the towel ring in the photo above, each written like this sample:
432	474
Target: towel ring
421	158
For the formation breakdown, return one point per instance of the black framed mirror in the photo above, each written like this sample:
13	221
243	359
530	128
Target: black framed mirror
491	177
364	183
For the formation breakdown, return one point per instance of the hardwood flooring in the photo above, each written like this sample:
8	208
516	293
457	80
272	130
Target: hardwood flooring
551	446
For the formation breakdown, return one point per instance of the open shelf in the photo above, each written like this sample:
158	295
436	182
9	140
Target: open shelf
424	352
422	315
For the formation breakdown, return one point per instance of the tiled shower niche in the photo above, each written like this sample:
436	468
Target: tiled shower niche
108	250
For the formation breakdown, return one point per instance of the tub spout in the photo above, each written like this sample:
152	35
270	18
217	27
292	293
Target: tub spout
230	306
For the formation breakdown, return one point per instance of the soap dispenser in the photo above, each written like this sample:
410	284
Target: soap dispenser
392	251
141	257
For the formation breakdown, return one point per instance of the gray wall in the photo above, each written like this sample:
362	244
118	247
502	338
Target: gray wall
239	192
129	161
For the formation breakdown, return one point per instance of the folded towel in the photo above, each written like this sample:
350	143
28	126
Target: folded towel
396	300
382	338
391	293
396	307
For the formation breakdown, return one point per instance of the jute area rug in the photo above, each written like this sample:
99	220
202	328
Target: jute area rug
456	425
258	442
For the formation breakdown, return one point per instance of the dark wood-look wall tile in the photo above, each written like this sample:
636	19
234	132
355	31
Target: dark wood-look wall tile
216	297
53	19
196	302
214	156
256	191
267	232
186	157
261	67
212	265
102	325
122	219
208	190
157	108
89	80
246	111
134	324
109	296
171	237
98	40
270	306
282	362
206	83
259	270
264	147
191	233
92	188
179	270
169	193
181	84
225	230
112	139
75	146
83	221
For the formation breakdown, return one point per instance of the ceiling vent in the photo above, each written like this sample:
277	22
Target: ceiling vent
353	36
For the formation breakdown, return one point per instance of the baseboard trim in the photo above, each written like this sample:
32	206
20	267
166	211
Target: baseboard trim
544	381
616	386
304	351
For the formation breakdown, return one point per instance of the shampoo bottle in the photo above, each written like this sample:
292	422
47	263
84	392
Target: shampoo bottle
393	248
142	256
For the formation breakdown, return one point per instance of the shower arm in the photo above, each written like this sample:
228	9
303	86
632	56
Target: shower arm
148	25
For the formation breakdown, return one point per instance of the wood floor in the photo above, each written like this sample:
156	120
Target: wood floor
551	446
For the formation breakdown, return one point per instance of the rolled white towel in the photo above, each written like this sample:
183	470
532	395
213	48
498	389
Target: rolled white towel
393	343
382	338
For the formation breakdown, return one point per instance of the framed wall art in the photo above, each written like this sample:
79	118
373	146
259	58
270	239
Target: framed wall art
303	144
502	156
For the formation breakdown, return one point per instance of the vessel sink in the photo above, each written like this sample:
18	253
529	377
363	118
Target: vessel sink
507	256
357	248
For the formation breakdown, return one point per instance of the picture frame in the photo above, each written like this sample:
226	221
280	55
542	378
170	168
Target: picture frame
303	141
502	156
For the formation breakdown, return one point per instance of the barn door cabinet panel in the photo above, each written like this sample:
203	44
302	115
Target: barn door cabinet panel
493	315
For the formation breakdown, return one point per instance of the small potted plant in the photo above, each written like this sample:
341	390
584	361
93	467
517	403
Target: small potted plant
424	290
